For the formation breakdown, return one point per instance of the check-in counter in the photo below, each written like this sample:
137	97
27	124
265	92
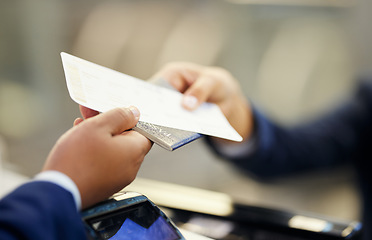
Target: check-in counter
217	216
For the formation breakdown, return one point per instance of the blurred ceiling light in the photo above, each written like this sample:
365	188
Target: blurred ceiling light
309	223
183	197
309	3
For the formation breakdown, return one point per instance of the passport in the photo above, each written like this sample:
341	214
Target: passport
168	138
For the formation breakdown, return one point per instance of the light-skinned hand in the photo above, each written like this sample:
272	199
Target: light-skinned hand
210	84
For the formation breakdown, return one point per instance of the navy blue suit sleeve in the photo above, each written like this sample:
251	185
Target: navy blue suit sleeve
326	142
40	210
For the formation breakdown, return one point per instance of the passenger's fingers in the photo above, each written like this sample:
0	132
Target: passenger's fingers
78	121
118	120
87	112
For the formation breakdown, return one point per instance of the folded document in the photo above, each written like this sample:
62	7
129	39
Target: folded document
102	89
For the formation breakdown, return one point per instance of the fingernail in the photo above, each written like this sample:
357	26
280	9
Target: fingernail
190	102
135	111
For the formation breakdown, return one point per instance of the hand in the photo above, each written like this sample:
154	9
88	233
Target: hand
210	84
100	154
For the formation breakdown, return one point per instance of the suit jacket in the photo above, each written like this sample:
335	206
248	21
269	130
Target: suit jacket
40	210
341	136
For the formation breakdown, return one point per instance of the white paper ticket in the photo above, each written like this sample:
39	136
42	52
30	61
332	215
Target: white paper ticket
102	89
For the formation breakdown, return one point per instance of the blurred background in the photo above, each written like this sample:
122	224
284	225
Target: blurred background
293	58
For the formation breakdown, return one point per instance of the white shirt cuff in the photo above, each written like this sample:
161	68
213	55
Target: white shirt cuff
63	181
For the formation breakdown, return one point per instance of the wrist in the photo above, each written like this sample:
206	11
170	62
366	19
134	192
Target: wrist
63	181
240	116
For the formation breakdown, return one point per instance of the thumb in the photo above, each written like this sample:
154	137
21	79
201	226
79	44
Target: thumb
199	92
118	120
